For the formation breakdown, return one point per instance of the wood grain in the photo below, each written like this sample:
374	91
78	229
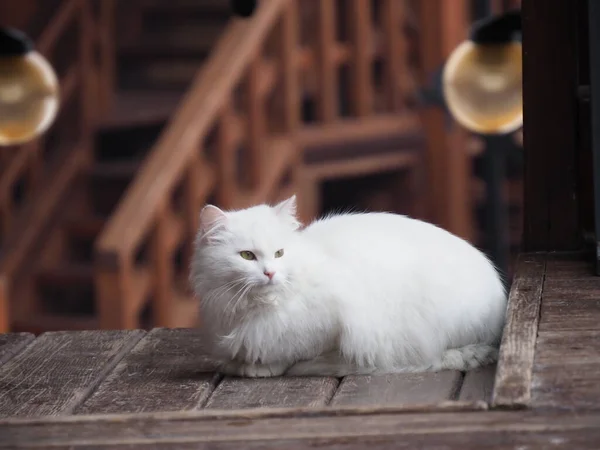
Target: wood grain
478	384
569	266
164	372
11	344
398	389
566	374
59	370
494	429
237	393
568	347
570	313
572	387
515	362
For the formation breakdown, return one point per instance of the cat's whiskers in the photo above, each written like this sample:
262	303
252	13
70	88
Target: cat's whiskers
222	290
238	297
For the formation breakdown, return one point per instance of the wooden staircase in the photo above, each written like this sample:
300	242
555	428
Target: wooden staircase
201	109
58	291
169	41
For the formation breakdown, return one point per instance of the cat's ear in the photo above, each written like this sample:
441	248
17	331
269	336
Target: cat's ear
211	218
287	207
287	211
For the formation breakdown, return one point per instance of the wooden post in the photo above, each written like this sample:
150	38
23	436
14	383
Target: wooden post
226	158
551	215
395	67
106	38
256	121
162	271
112	279
361	36
328	79
443	26
4	306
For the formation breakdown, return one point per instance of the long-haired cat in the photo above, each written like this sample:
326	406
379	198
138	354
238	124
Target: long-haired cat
348	294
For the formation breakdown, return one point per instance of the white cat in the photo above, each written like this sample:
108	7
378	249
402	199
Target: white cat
349	294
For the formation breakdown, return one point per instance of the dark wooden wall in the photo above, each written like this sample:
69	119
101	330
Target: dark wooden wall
556	127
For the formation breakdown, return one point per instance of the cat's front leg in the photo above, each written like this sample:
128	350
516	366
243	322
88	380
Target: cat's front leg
242	369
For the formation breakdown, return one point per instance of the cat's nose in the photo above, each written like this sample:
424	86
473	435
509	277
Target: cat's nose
269	274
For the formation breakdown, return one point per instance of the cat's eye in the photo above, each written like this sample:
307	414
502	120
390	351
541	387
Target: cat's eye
279	253
248	255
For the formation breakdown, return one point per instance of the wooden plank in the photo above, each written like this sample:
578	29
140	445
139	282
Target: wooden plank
562	266
568	347
568	312
566	374
494	429
398	389
573	387
164	372
13	343
582	288
567	370
478	384
238	393
550	143
515	362
59	370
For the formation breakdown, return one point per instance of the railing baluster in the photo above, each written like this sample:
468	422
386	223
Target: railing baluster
191	208
361	35
290	39
113	286
392	15
328	82
89	98
226	158
256	122
162	271
107	53
4	308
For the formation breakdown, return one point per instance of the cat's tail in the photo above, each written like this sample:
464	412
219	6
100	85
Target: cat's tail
466	358
329	364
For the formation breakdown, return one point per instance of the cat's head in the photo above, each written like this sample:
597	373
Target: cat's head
245	250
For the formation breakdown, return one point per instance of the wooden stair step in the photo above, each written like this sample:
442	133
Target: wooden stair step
44	321
173	75
133	108
165	5
353	138
182	41
66	275
110	170
85	228
70	276
167	16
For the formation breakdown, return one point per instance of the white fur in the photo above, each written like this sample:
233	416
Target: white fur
352	293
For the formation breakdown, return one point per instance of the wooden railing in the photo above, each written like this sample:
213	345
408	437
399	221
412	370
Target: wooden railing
34	176
237	139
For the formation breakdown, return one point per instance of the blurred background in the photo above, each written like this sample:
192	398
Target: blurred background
166	105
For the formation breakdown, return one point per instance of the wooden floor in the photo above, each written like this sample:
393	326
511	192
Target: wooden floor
154	390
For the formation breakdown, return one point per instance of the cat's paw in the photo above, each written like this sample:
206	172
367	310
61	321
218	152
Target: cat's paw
239	369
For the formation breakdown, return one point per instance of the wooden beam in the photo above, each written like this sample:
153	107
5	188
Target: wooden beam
223	430
512	387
